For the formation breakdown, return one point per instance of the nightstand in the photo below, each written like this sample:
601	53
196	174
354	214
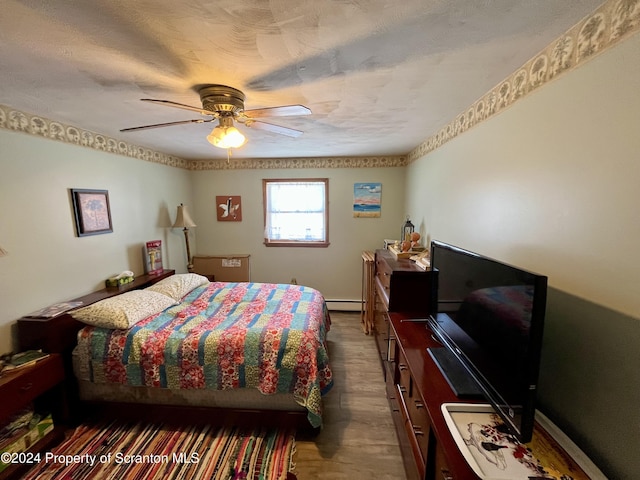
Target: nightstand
41	384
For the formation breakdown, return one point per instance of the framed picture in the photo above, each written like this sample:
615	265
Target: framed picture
92	212
228	208
367	200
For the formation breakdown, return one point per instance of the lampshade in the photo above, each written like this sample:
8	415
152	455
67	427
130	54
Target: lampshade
225	135
183	219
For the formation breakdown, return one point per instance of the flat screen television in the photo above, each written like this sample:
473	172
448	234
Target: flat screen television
489	319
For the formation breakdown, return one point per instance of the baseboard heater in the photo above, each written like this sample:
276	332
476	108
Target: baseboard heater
347	305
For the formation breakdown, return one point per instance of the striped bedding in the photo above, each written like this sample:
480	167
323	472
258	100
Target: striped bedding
222	336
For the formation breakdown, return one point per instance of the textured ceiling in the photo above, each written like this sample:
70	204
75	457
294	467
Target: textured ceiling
379	76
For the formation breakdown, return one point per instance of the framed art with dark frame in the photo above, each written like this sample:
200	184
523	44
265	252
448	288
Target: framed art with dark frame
92	211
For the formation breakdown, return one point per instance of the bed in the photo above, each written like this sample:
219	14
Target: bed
206	348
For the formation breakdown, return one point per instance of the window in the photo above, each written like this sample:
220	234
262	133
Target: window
296	212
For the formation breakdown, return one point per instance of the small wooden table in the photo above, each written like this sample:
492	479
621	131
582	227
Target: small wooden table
42	384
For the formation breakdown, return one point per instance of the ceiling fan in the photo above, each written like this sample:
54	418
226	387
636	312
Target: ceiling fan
226	104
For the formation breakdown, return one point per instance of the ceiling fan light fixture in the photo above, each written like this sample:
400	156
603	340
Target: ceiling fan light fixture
226	135
226	105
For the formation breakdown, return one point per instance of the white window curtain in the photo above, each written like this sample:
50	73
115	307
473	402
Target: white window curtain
295	211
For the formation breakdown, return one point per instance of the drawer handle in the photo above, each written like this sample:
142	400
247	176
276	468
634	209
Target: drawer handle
417	430
402	389
402	366
26	387
446	475
419	404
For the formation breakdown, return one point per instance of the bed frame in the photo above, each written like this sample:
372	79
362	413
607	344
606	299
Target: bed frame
59	335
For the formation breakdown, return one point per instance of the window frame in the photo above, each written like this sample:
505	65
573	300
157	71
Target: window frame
296	243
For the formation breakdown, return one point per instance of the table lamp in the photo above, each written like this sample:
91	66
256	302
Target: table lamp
184	221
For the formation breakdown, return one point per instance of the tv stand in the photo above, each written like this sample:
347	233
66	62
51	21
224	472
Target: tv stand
416	392
455	374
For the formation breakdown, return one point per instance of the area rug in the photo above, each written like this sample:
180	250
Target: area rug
117	450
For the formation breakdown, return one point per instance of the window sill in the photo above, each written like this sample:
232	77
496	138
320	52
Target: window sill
294	243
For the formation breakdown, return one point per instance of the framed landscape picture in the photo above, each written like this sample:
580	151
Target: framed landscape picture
92	211
367	199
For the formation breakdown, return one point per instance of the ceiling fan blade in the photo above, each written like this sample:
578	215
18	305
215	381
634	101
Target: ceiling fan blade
269	127
168	103
169	124
283	111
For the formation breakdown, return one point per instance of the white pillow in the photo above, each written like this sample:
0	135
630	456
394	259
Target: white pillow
177	286
123	311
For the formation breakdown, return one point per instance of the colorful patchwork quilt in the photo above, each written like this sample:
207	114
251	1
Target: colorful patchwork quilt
224	336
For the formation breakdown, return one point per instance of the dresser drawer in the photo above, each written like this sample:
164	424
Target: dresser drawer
416	431
419	421
417	426
414	409
404	376
441	468
381	328
21	387
383	281
383	272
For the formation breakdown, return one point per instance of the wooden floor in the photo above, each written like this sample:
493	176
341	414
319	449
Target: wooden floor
358	440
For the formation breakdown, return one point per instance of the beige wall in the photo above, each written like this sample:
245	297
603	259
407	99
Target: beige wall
336	270
47	263
552	185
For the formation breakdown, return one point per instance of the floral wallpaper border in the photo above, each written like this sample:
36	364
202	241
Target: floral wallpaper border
310	162
16	120
612	22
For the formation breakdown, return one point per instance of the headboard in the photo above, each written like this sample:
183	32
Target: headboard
59	334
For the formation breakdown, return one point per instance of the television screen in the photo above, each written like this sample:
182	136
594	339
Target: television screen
490	321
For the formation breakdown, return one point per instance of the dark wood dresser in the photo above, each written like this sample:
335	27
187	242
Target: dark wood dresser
400	286
415	387
418	390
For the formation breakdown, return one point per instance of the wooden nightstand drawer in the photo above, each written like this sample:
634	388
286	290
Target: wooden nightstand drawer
21	387
40	384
